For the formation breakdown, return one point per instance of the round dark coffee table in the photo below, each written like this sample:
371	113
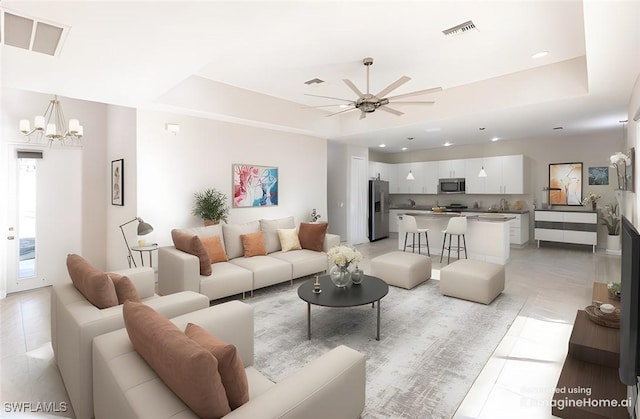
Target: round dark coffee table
371	289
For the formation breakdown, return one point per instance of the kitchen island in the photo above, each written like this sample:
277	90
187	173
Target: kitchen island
487	234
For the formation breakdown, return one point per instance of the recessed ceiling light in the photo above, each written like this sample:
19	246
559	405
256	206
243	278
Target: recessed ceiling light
557	128
447	144
481	128
540	54
405	148
382	145
494	139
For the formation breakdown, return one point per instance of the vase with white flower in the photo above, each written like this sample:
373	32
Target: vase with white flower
609	216
342	257
620	161
591	200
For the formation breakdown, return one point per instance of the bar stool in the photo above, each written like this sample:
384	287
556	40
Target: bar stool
457	226
410	226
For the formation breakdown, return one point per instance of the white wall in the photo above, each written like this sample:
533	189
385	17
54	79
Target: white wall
172	168
338	188
121	139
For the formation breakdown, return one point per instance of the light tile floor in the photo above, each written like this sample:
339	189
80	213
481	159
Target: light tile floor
517	381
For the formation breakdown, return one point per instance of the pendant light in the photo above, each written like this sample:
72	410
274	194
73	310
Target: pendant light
482	172
410	176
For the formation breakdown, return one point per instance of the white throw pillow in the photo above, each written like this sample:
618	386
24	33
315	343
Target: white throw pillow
289	239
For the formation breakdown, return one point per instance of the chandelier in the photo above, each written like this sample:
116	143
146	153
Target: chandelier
53	126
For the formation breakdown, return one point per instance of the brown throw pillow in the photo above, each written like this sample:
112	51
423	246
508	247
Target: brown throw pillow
191	244
234	376
253	244
213	246
125	290
95	285
311	235
187	368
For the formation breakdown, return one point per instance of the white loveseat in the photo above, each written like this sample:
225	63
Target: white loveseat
126	387
179	271
75	322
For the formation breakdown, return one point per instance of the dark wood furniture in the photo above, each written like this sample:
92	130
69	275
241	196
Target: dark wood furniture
591	367
370	291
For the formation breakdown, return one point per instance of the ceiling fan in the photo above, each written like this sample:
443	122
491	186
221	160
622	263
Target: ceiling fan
368	103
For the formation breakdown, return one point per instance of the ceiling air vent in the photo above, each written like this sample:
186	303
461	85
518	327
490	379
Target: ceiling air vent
461	28
31	34
314	81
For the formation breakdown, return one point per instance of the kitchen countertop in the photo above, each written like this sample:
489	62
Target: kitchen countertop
481	210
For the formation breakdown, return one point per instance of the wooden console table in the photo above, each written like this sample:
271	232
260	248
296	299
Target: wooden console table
591	366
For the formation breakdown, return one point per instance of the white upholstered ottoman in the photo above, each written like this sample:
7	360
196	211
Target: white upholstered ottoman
472	280
402	269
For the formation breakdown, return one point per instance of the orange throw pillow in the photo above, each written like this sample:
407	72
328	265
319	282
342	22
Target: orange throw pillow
230	366
125	290
95	285
190	243
253	244
311	235
213	246
187	368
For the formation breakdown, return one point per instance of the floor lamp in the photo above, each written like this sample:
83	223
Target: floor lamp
143	229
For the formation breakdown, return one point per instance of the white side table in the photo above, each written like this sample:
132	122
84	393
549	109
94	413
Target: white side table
148	249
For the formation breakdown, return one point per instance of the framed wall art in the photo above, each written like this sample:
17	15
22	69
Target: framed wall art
599	175
254	186
565	184
117	182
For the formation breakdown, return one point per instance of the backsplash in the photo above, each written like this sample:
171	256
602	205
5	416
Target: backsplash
484	201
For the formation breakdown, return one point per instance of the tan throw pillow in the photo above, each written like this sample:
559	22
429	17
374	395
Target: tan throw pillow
311	235
289	239
125	290
234	376
253	244
214	248
187	368
269	230
191	244
95	285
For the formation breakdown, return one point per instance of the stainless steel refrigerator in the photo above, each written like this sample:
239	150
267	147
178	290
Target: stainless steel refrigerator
378	209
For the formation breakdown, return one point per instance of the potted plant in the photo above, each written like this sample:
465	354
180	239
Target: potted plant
610	217
591	199
211	206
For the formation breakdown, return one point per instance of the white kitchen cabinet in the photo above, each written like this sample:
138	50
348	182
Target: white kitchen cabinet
473	183
415	186
519	229
451	168
430	177
505	175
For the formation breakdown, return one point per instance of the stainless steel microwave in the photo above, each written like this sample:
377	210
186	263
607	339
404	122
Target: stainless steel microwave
451	185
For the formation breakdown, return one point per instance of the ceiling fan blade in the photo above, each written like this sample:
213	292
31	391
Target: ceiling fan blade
329	97
353	87
391	110
323	106
412	103
342	111
393	86
419	92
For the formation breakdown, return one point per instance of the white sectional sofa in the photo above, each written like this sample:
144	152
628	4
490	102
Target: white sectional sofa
75	322
179	271
126	387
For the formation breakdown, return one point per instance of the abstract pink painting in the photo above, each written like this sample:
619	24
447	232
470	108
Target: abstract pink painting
254	186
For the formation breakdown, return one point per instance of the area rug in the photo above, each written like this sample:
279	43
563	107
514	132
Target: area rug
431	347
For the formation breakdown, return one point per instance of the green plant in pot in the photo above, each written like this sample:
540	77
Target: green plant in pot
211	206
610	217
